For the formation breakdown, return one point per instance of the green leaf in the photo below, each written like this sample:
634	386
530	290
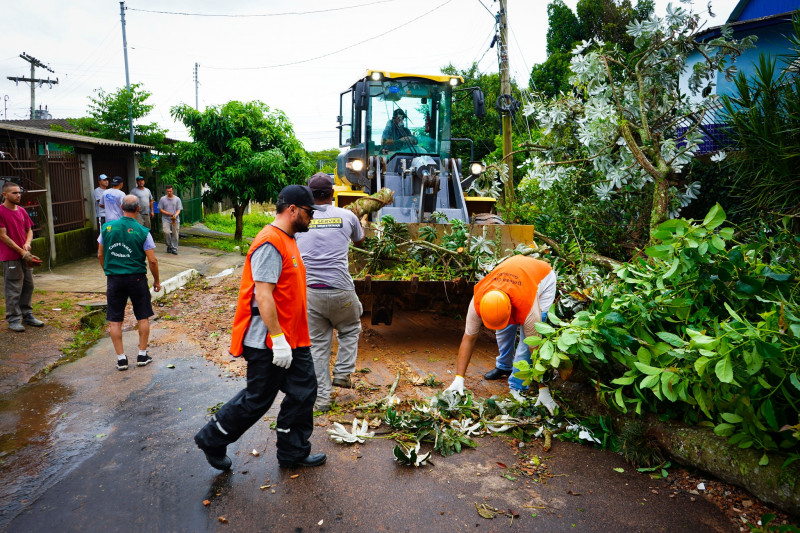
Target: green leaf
554	319
643	354
700	396
732	312
718	243
646	369
763	382
764	461
724	430
715	217
753	360
546	351
544	329
769	351
768	413
533	340
671	338
620	470
794	380
726	233
724	369
699	340
659	251
624	380
700	365
650	382
620	400
733	418
568	338
668	381
672	269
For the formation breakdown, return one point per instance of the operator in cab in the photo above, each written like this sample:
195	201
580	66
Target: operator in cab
517	292
396	136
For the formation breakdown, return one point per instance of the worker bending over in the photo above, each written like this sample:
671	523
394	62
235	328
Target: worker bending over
515	293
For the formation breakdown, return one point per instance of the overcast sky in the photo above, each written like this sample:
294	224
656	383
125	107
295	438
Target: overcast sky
294	56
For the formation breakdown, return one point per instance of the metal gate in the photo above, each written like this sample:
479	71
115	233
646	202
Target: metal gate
20	163
66	191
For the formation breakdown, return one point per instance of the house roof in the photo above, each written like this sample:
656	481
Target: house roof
43	123
747	24
747	10
62	137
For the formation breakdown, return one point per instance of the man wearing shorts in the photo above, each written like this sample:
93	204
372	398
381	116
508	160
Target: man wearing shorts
124	247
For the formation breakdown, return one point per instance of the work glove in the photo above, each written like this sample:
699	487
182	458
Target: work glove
31	260
281	351
457	385
546	400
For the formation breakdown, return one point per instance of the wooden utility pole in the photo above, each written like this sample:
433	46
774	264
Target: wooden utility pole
33	80
505	95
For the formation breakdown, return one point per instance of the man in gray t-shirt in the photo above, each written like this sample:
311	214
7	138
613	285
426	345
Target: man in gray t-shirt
331	296
145	198
170	207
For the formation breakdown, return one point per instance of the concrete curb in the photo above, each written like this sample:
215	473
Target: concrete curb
174	283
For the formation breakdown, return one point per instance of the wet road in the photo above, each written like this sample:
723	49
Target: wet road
90	448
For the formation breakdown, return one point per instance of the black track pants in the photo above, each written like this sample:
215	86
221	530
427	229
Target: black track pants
264	380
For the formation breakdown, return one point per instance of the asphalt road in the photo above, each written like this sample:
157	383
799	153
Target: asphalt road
92	449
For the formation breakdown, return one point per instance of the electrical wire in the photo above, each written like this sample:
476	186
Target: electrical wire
308	60
486	8
287	13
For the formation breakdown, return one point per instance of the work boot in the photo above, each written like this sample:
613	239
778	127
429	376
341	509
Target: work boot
343	382
216	457
322	406
496	373
314	459
16	326
30	320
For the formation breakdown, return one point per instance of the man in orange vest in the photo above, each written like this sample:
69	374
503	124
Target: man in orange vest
271	330
518	292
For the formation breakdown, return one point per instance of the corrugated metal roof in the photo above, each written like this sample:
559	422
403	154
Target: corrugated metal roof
69	138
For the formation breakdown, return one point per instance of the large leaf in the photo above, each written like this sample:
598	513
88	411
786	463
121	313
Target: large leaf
671	338
715	217
724	369
544	328
646	369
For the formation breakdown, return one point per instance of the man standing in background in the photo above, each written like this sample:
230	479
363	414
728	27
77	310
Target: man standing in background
16	234
170	207
112	200
100	212
145	202
332	300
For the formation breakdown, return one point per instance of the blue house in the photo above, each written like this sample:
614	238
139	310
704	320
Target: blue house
771	22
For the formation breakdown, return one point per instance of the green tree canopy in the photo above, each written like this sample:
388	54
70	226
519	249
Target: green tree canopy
324	160
245	152
604	20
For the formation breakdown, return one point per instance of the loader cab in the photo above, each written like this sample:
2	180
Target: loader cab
394	131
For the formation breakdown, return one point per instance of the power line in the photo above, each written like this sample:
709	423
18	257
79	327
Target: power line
339	50
287	13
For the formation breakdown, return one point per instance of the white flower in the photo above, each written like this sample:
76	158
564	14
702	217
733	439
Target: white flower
719	156
581	47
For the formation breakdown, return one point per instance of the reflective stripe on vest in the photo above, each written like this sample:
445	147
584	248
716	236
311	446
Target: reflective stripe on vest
519	278
289	293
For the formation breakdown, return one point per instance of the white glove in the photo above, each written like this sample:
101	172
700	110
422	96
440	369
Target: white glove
546	400
457	385
281	351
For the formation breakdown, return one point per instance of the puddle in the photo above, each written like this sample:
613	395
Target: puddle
36	443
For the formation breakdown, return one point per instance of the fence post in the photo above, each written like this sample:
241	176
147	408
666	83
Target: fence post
44	170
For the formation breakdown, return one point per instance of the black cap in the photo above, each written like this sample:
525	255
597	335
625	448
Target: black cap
116	180
298	195
320	182
399	112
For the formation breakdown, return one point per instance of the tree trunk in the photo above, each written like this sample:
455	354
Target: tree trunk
369	204
660	211
238	213
699	447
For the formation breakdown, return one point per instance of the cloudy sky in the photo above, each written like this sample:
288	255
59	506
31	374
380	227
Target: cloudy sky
294	56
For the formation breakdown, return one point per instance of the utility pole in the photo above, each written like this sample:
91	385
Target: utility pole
196	81
505	95
33	80
127	76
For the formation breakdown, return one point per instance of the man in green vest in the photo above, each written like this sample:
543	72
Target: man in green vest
124	248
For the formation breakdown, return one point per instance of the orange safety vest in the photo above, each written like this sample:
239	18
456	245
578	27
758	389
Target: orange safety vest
519	278
289	293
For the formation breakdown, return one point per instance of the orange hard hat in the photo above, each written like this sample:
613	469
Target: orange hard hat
495	309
